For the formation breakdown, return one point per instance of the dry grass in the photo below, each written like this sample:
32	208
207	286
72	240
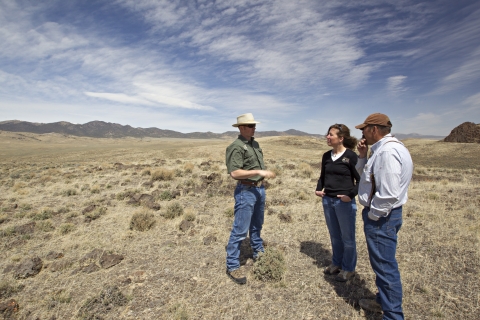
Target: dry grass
63	197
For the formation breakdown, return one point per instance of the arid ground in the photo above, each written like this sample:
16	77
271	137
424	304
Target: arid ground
137	228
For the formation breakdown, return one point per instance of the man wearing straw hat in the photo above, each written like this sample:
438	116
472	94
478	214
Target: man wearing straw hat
244	159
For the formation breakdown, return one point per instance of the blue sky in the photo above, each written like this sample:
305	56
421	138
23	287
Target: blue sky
195	65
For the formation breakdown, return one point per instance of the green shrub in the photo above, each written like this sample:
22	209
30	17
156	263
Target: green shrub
173	210
165	196
270	266
142	221
66	228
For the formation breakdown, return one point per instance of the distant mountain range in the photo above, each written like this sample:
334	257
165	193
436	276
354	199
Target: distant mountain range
101	129
402	136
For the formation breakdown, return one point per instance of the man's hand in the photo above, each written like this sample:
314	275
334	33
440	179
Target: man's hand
267	174
362	148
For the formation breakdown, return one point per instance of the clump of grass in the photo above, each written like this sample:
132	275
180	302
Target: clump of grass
7	290
278	170
44	214
188	167
178	172
45	226
306	170
162	175
66	228
173	210
61	296
69	192
95	214
189	214
270	266
190	183
95	189
433	196
179	312
7	232
25	207
229	213
146	172
165	196
142	220
300	195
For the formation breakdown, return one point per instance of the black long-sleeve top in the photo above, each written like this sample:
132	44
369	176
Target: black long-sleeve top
339	177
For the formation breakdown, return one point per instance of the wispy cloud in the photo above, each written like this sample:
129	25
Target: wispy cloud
211	60
468	72
395	85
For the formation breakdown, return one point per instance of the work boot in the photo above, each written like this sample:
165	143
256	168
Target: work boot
237	276
344	276
331	269
370	305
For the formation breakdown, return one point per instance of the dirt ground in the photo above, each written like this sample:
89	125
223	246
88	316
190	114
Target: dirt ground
72	210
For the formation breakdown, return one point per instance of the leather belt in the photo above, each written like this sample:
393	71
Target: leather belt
251	183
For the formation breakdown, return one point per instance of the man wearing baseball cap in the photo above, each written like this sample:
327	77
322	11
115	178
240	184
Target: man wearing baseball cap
384	180
244	159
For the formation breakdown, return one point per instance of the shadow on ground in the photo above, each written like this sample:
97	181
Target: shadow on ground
351	291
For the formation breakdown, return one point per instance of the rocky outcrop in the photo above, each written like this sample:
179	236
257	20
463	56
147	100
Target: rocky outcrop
468	132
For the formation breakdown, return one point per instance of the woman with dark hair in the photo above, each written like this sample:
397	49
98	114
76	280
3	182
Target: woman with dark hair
338	186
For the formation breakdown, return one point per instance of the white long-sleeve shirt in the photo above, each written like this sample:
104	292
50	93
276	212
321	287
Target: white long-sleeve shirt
392	167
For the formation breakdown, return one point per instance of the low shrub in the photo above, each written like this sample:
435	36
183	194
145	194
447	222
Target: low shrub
142	221
7	289
95	214
66	228
162	175
165	196
188	167
173	210
45	226
270	266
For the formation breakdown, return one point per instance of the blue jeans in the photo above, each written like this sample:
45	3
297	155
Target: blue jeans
249	213
340	218
381	239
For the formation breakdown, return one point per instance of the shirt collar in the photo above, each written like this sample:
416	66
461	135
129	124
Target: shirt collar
381	142
245	140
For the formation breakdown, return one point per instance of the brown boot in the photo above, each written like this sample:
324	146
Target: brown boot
237	276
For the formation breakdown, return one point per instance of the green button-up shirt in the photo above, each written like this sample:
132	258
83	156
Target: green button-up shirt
246	155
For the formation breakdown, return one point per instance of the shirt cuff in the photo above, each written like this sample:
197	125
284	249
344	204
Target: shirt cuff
373	216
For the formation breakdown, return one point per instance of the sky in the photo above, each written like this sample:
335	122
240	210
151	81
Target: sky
194	66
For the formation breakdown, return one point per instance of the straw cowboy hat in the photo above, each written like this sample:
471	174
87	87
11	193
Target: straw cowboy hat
244	119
